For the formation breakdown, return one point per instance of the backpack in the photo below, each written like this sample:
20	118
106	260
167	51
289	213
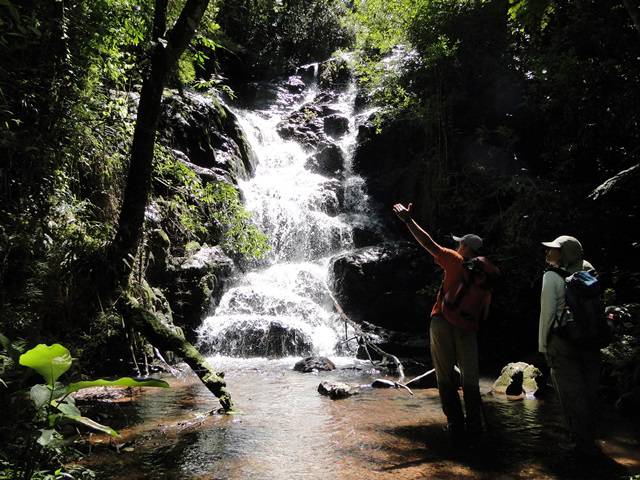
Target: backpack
583	322
468	303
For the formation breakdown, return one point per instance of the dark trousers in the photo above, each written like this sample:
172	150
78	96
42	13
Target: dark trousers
450	346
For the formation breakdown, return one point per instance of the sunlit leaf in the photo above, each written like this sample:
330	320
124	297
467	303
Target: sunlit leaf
49	361
87	422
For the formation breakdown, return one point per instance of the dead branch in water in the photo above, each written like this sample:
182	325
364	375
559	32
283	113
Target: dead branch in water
365	341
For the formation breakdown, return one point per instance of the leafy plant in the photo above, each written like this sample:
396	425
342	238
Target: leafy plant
52	399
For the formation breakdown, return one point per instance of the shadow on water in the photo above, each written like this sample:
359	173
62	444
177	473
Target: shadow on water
525	439
287	430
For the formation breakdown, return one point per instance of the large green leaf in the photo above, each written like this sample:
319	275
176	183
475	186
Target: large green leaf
69	410
121	382
87	422
49	361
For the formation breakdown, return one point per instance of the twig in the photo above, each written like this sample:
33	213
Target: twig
366	343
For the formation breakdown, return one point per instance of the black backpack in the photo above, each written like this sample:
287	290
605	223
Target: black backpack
583	322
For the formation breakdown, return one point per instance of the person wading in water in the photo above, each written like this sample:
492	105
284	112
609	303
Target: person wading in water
453	331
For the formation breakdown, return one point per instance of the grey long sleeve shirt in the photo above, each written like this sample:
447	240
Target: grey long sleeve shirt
552	303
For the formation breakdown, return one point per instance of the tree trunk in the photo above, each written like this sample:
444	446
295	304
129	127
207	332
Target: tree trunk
633	7
163	337
123	249
164	59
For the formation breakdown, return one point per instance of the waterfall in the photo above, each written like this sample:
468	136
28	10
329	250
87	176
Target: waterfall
282	306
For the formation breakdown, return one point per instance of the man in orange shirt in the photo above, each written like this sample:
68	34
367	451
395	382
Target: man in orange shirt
453	339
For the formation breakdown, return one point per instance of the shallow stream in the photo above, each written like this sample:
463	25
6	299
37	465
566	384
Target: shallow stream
286	429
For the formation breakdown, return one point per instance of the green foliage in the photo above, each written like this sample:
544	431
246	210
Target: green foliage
52	401
272	36
383	24
204	208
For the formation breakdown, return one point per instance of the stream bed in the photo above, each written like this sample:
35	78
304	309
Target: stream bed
286	429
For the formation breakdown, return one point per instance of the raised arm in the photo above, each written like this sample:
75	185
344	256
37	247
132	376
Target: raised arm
423	238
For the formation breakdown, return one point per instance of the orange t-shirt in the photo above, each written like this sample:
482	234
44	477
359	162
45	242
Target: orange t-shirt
452	263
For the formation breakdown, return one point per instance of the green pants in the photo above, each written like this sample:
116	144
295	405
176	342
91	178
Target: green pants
575	374
450	346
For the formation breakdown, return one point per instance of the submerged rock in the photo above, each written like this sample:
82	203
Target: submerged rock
310	364
337	390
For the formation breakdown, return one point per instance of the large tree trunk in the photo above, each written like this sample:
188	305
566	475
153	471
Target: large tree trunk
633	7
123	249
163	337
164	59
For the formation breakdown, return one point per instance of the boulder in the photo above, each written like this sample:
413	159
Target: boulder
335	125
258	338
207	132
529	375
304	126
294	84
311	364
383	383
337	390
196	282
383	285
307	72
328	161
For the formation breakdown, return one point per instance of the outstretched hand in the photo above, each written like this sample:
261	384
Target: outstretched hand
402	212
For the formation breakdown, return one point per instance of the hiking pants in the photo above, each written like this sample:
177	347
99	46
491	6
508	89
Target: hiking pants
575	374
451	345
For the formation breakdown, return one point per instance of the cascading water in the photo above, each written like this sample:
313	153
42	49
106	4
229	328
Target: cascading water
282	307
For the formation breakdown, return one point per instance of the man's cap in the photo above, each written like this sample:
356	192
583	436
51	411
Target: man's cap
562	240
474	242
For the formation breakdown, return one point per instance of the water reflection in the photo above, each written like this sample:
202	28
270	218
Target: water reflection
287	430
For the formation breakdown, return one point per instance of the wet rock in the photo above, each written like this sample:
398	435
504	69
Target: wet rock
510	374
311	364
257	338
384	157
383	285
328	199
295	84
196	281
257	94
366	235
336	125
307	72
207	175
207	132
329	161
383	383
337	390
304	126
